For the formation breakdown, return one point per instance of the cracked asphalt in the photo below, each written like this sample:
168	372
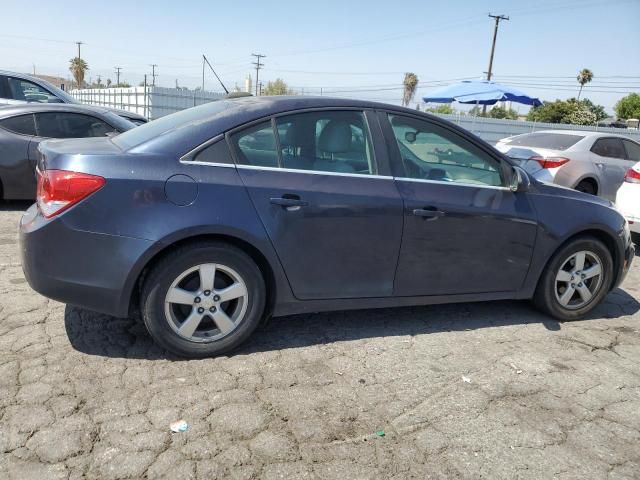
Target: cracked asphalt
491	390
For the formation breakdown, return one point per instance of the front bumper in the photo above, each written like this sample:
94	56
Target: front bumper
78	267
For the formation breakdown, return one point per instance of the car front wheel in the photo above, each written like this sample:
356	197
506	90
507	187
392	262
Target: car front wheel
575	280
203	300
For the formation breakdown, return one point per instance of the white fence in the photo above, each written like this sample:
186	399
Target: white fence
493	129
150	102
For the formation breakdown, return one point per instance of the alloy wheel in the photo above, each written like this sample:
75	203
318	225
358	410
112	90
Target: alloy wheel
578	280
206	302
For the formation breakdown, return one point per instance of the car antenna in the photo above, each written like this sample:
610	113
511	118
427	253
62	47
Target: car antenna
214	72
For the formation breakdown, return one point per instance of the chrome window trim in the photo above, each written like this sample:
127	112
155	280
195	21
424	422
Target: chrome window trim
187	157
461	184
314	172
207	164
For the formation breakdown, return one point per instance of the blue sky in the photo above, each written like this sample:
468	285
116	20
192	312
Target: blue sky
354	48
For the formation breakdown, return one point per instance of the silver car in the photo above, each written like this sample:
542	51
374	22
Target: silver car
591	162
20	88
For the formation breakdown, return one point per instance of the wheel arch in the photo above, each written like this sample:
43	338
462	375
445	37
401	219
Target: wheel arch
588	178
136	281
601	234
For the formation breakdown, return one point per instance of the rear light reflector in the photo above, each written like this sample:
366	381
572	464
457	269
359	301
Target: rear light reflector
550	162
58	190
632	176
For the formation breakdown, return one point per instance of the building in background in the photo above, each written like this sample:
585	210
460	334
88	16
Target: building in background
248	84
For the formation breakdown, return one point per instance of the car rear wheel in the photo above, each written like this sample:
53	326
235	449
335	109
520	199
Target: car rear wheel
575	280
203	300
586	186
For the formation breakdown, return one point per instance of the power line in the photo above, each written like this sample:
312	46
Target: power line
497	18
258	65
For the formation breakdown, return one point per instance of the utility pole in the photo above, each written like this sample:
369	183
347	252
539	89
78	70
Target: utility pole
258	67
79	43
153	74
118	75
493	48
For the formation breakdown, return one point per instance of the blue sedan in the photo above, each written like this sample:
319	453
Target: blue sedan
209	220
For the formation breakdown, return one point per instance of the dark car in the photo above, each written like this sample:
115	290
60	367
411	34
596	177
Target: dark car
23	127
20	88
210	219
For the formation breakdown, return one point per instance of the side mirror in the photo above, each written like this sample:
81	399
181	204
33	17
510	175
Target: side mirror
410	137
519	180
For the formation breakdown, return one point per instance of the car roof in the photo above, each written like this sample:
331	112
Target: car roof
584	133
11	110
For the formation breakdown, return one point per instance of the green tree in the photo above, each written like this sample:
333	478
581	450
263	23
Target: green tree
628	107
476	112
78	69
277	87
108	82
445	108
584	76
566	111
501	112
410	84
597	110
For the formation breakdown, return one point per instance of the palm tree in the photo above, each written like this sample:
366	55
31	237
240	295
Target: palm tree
584	76
410	85
78	68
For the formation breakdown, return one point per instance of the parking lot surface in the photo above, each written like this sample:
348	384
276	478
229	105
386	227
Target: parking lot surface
492	390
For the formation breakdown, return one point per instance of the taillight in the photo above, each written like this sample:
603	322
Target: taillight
632	176
61	189
550	162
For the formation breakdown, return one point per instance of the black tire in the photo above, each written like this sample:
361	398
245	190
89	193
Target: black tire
635	238
586	186
545	297
170	268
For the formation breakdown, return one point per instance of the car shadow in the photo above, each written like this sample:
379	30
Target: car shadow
97	334
15	205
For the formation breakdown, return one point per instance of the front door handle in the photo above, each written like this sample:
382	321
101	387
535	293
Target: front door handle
428	213
290	203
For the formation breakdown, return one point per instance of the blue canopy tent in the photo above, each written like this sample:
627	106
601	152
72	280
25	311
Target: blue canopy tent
480	92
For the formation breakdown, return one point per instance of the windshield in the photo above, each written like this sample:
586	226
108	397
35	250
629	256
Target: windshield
120	123
58	92
148	131
552	141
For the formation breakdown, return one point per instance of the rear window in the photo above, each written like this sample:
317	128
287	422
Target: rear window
146	132
553	141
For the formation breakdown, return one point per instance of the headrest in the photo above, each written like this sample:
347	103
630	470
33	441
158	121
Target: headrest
335	137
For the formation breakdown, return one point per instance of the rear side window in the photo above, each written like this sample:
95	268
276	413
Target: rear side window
217	152
609	147
70	125
22	124
553	141
27	91
256	146
633	150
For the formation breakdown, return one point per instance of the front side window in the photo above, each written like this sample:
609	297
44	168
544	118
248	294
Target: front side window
609	147
22	124
256	146
326	141
27	91
633	150
70	125
430	152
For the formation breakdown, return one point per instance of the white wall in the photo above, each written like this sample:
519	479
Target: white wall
492	129
150	102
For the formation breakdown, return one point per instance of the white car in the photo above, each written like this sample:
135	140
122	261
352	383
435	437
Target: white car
628	201
590	162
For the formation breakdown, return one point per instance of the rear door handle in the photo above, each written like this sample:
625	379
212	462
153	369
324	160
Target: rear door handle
428	213
289	203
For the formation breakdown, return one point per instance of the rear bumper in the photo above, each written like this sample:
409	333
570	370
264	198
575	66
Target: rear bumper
77	267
